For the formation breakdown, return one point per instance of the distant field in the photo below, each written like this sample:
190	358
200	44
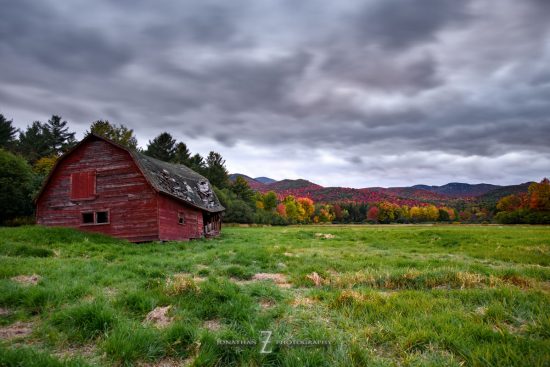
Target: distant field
379	295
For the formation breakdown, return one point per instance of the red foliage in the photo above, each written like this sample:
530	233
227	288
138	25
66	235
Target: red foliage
372	214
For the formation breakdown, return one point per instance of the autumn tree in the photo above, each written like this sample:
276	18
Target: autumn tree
372	214
291	208
281	210
308	209
387	212
539	195
44	165
118	133
509	203
431	213
324	213
162	147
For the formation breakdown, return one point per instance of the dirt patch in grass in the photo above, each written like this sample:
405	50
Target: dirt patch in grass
325	236
167	362
16	330
315	278
212	325
517	280
303	302
27	279
75	351
266	304
159	317
277	278
4	312
181	283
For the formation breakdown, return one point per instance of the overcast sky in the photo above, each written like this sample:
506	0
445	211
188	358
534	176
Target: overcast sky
343	93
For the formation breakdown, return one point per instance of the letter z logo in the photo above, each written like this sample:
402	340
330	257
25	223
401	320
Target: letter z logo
266	337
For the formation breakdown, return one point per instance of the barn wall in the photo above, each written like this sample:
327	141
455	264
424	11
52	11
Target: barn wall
120	188
170	229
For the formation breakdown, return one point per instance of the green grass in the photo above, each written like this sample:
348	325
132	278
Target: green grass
387	295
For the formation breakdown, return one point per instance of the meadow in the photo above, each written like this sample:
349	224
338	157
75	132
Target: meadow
450	295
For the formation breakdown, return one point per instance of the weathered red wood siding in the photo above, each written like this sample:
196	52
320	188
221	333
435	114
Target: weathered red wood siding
120	188
169	227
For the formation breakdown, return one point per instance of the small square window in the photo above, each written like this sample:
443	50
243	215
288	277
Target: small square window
88	218
181	218
102	217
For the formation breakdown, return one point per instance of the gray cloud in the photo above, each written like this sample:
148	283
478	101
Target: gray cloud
345	93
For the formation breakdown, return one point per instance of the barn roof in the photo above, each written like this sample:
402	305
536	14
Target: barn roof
175	180
179	181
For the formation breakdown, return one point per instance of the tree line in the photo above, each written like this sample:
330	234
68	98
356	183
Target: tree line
26	158
28	155
532	207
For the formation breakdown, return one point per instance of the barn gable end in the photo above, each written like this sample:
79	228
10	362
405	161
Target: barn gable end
120	189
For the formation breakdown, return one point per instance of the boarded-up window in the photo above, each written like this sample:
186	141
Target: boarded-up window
83	185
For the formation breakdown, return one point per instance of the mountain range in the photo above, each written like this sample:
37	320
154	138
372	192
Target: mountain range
448	194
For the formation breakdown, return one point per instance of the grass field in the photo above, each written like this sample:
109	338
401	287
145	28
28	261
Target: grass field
380	295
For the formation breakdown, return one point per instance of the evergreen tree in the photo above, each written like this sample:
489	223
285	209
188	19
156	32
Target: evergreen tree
197	164
33	143
162	147
216	171
182	154
118	133
7	133
59	138
242	190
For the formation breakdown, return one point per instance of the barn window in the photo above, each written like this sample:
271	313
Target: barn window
102	217
181	218
99	217
88	218
83	185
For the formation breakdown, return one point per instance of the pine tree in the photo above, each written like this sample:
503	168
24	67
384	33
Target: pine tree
182	154
197	164
216	171
59	138
7	133
162	147
33	143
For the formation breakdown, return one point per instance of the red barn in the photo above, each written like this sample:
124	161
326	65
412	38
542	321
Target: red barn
100	186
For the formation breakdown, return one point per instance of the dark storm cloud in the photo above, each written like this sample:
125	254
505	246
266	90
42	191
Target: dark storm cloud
383	89
402	23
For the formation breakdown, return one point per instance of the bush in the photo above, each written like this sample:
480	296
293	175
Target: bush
523	216
239	212
17	183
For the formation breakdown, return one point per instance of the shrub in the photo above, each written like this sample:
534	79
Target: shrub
17	183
